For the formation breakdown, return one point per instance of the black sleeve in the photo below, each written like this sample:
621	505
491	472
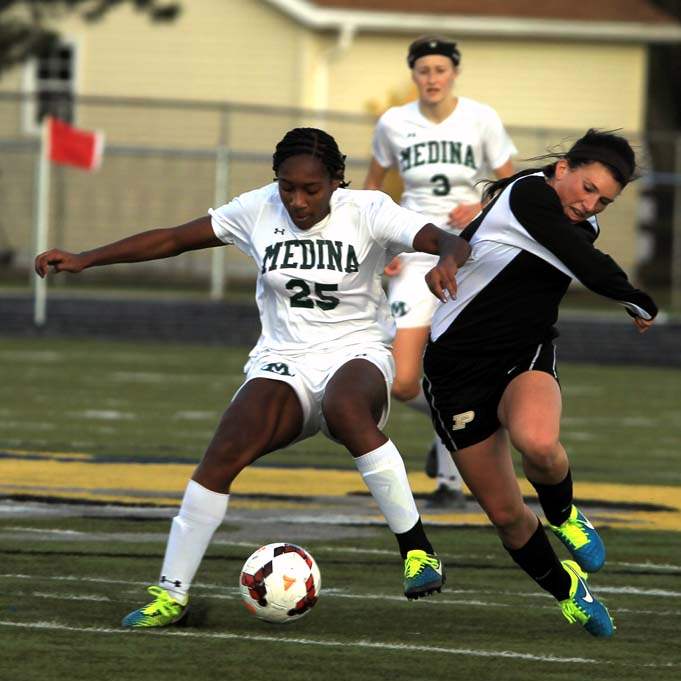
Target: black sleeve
537	208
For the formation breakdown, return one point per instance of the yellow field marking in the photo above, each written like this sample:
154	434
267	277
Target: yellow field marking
59	456
59	475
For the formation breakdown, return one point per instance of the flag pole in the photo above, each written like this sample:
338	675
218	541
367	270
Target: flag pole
42	207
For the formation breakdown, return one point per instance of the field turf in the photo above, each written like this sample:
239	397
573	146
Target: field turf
66	578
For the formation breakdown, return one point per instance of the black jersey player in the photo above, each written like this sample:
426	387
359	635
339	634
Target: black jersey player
490	365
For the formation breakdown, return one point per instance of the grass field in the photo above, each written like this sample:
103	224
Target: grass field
68	576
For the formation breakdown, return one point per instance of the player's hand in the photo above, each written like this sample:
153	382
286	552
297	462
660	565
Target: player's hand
463	214
643	324
59	261
394	267
441	279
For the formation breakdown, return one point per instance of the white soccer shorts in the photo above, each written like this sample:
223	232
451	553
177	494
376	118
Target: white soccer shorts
309	375
411	301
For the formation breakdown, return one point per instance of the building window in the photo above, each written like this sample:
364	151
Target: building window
55	83
51	79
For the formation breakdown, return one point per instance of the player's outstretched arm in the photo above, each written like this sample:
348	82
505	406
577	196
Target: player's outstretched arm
151	245
453	252
432	239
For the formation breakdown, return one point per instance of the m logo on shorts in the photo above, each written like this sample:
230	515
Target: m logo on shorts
278	368
399	308
459	421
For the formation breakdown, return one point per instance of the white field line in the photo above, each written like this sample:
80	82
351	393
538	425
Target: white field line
650	566
656	613
662	567
198	586
329	643
234	595
71	578
104	415
44	531
633	591
328	593
226	542
71	597
228	593
628	590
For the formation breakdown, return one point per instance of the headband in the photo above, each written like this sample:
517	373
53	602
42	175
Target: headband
434	46
588	152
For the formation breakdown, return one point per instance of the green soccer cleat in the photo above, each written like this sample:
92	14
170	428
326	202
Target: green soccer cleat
423	574
582	606
582	540
161	612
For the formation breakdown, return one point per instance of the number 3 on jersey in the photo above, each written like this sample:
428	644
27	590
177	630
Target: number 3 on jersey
302	297
441	186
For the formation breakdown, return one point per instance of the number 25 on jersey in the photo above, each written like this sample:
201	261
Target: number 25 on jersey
303	297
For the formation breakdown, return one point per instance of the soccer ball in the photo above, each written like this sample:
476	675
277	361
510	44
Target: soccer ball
280	582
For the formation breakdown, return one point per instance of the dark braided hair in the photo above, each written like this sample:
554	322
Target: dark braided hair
311	142
605	147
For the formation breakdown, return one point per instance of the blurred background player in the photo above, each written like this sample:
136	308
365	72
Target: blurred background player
323	360
490	367
442	145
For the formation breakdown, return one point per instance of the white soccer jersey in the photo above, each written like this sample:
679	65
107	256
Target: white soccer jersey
440	163
319	288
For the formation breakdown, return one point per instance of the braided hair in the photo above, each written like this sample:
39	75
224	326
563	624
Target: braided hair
311	142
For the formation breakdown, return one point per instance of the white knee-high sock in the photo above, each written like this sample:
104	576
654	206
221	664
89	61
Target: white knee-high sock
419	403
386	477
201	513
447	473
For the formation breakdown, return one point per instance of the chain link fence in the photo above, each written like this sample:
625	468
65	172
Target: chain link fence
167	162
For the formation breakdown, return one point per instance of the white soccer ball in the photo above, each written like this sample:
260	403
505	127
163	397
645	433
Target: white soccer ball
280	582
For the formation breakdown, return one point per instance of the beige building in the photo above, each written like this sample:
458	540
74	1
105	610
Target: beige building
551	69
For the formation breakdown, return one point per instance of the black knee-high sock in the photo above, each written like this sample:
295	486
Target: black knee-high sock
414	539
541	563
556	500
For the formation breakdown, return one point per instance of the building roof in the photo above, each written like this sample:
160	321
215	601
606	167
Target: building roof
642	11
606	20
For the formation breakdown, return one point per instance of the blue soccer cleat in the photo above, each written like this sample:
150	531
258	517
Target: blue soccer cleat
582	606
423	574
582	540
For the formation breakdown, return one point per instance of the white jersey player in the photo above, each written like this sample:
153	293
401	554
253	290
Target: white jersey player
319	289
442	147
323	361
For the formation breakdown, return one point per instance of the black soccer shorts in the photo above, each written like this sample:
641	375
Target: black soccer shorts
464	393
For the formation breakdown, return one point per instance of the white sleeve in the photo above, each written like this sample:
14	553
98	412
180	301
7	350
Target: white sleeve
496	141
233	223
391	225
381	147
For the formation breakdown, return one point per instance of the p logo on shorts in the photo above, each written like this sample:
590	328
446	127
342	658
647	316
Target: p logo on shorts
459	421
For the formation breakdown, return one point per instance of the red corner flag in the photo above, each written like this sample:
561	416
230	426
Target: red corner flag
74	147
